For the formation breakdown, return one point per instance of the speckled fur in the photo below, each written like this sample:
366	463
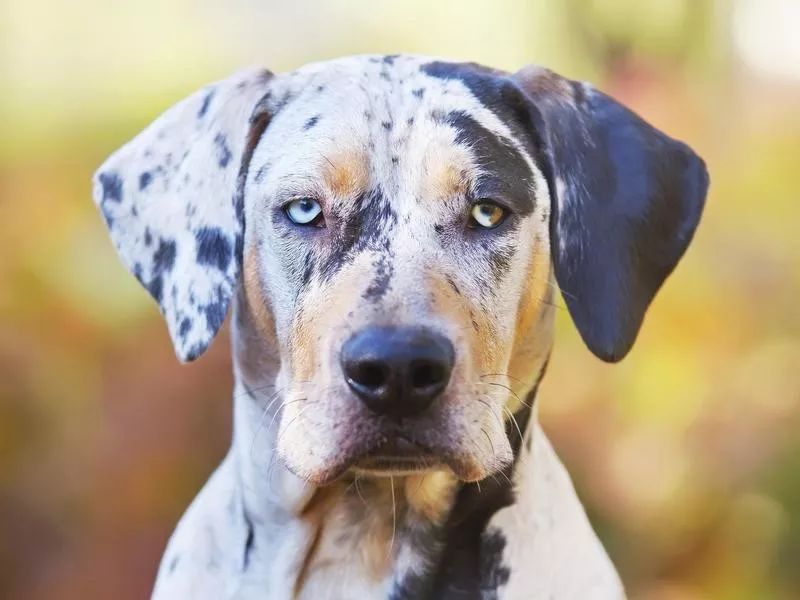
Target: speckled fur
394	148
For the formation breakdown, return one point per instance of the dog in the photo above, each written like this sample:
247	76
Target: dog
391	231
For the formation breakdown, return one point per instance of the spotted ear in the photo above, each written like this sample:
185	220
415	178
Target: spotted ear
626	201
172	200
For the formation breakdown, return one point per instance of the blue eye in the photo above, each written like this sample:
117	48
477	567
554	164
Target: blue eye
304	211
486	215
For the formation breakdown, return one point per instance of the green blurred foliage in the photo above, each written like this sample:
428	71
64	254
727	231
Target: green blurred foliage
687	453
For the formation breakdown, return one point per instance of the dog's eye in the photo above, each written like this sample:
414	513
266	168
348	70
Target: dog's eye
304	211
486	215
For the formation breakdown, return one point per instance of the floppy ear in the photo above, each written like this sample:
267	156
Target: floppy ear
172	200
626	201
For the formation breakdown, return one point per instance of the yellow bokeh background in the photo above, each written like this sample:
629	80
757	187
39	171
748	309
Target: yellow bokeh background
687	453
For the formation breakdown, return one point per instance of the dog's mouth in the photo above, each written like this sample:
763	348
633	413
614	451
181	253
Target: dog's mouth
397	455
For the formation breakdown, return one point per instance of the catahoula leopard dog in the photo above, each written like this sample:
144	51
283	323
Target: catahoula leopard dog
391	231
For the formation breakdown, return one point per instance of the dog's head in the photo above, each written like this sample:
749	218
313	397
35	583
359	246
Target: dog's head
392	226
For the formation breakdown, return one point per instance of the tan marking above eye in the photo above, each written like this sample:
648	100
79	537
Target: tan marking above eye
346	173
487	215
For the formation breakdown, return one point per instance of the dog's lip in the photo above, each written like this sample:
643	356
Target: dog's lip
397	453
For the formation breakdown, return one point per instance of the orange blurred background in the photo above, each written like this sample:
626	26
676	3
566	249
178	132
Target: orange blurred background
687	453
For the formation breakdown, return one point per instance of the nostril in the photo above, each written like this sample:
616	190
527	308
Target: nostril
427	374
370	374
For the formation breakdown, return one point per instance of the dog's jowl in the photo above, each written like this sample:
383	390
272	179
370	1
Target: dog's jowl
390	231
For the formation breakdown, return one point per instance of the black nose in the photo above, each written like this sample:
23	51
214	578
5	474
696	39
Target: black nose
397	371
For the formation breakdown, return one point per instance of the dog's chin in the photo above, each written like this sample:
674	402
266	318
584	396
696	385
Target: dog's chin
396	457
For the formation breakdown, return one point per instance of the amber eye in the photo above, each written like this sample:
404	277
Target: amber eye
486	215
304	211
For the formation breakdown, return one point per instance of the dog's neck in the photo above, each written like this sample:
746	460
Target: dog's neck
383	520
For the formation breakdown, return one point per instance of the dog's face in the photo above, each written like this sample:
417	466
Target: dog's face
391	225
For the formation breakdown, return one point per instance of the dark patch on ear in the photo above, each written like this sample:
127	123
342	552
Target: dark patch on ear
164	256
506	173
631	200
206	103
155	287
195	351
213	248
419	92
311	122
144	180
216	310
112	186
224	154
186	326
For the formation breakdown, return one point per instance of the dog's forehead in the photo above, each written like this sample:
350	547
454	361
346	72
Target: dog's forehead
390	119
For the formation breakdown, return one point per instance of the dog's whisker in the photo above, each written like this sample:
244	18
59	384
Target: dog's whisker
358	491
514	420
505	387
394	517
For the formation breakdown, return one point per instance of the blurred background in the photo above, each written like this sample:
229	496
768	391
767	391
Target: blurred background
687	454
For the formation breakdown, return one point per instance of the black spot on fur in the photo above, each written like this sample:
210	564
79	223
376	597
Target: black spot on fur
261	173
223	151
144	180
410	121
308	268
148	237
453	285
215	311
419	92
173	564
311	122
195	351
164	257
320	88
249	543
507	174
438	228
395	159
360	230
470	565
383	275
111	183
186	326
387	125
493	572
156	287
390	58
213	248
206	103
